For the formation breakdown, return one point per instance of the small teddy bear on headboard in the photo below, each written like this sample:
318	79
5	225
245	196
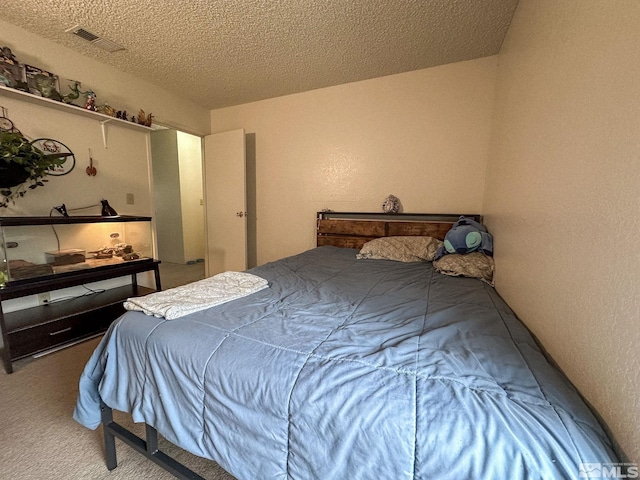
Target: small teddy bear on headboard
466	236
391	204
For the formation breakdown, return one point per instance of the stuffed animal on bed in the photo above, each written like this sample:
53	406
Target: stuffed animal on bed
466	236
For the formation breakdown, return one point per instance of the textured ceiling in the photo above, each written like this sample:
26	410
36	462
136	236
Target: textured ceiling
227	52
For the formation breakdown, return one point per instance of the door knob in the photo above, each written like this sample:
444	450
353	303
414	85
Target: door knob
240	214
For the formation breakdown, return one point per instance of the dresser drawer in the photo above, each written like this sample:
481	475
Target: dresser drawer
37	338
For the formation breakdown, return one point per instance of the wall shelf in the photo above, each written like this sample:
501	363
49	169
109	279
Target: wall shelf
65	107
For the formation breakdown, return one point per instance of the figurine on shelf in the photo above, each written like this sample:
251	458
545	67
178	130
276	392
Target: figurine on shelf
107	109
7	55
75	92
144	119
90	104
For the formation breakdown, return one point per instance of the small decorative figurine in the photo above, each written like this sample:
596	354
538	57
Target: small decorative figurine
107	109
7	55
144	120
90	104
391	204
75	92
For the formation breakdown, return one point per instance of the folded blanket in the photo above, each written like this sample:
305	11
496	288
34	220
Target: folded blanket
193	297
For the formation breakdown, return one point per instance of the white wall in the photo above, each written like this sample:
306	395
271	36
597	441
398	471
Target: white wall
563	194
422	136
121	168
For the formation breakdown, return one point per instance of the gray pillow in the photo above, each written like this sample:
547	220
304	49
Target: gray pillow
473	265
401	249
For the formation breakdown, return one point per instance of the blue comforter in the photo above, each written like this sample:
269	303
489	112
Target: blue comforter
349	369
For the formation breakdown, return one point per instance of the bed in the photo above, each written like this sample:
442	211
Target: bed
346	367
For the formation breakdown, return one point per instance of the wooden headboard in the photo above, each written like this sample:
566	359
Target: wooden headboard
353	229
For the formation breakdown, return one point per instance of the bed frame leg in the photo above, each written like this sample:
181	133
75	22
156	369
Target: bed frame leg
148	447
109	438
151	435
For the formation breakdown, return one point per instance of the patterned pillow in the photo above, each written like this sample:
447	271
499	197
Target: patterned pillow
474	265
401	249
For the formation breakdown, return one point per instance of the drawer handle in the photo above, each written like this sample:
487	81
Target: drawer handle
68	329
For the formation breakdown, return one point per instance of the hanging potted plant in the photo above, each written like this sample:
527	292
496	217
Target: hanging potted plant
21	163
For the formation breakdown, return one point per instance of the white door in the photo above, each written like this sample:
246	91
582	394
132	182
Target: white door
225	202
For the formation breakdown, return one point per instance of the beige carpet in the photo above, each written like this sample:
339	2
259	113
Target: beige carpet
39	439
175	274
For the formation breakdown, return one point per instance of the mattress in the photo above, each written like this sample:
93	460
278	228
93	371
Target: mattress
348	368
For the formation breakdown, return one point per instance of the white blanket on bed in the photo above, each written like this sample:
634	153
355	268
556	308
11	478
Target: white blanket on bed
193	297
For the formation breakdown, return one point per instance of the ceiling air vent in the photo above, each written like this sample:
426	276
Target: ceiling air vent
99	42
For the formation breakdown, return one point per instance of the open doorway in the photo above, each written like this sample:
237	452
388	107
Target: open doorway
178	202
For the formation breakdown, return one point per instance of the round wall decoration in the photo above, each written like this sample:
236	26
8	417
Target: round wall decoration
56	149
6	125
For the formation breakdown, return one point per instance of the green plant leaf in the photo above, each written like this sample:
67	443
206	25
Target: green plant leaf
16	149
